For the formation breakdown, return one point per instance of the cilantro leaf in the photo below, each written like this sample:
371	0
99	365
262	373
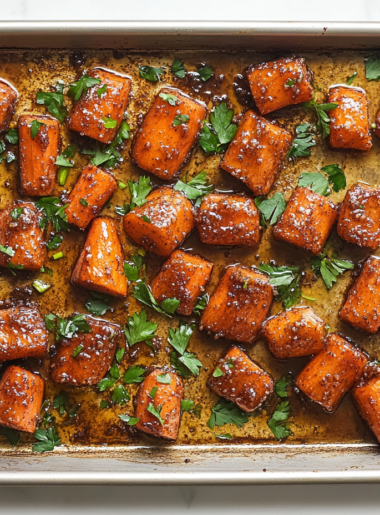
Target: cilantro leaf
191	362
47	440
180	119
209	140
67	327
131	421
323	121
301	144
120	395
11	435
315	181
139	191
178	366
330	268
156	412
277	422
108	382
53	103
351	79
226	412
81	86
54	212
201	304
281	386
271	209
196	188
132	271
187	405
171	99
140	329
150	73
286	280
179	338
221	132
205	73
134	375
336	177
143	293
372	69
178	68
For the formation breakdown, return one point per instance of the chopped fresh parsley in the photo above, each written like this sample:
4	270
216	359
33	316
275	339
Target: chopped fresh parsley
53	102
201	304
134	374
216	136
330	268
336	177
286	280
143	293
97	306
66	327
302	143
10	157
7	250
74	411
323	123
120	395
81	86
150	73
47	440
171	99
178	68
12	136
351	79
277	422
164	379
41	286
315	181
181	360
290	83
180	119
226	412
281	386
62	160
153	392
104	405
77	351
218	372
187	405
60	402
196	188
53	212
271	209
102	90
139	329
139	191
372	69
109	123
205	73
107	382
131	421
83	202
16	213
35	127
132	271
55	242
11	435
179	338
120	354
156	412
122	133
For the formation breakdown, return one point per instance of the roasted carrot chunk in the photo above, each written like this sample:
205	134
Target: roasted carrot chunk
238	379
184	277
158	404
100	264
361	308
85	359
160	225
366	395
349	125
280	83
90	115
168	133
359	216
228	220
256	153
20	231
239	305
91	192
307	221
295	332
8	99
38	155
21	396
332	372
23	334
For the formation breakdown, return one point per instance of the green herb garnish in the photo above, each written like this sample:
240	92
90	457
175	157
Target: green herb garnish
150	73
178	68
139	329
216	136
323	123
302	143
226	412
81	86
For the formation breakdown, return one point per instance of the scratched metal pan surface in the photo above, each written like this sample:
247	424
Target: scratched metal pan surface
323	448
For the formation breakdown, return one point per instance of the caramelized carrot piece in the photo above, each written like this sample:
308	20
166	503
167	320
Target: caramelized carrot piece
349	125
184	277
23	235
332	372
91	192
161	147
21	396
295	332
242	381
307	221
160	225
229	220
166	401
38	156
361	308
8	99
239	305
281	83
89	113
100	264
93	357
366	394
256	153
23	334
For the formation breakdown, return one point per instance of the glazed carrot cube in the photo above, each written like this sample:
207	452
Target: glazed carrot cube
100	264
38	156
295	332
349	125
229	220
256	153
23	235
160	225
8	99
242	381
361	308
239	305
366	394
23	334
359	216
332	372
21	396
280	83
307	221
166	402
91	112
91	192
162	144
183	277
85	359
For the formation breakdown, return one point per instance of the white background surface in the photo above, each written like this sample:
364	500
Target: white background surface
271	500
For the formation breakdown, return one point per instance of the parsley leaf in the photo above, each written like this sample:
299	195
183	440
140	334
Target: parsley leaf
120	395
179	338
47	440
323	123
139	191
196	188
107	382
66	154
140	329
119	354
226	412
53	212
134	375
60	402
12	136
131	421
372	69
271	209
171	99
35	127
104	405
55	242
336	177
178	68
80	87
143	293
150	73
286	280
330	268
180	119
205	73
185	364
102	90
281	386
201	304
7	250
217	372
302	142
156	412
164	379
351	79
277	422
53	103
187	405
67	327
132	271
122	133
97	306
315	181
215	138
11	435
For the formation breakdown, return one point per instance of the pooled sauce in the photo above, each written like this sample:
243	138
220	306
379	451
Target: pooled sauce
33	71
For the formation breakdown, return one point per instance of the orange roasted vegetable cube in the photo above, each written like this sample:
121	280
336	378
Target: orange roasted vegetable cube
366	394
92	111
91	192
85	359
361	308
359	216
307	221
38	156
280	83
155	395
332	372
21	396
162	144
20	231
256	153
229	220
160	225
100	264
23	334
295	332
239	305
349	124
238	379
8	99
184	277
